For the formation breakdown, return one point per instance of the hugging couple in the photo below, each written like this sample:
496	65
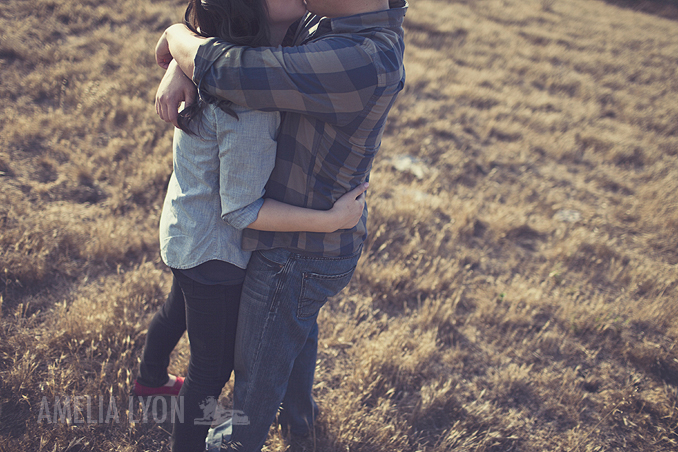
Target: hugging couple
264	216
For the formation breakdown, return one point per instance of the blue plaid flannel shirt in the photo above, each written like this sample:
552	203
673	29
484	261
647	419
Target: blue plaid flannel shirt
335	81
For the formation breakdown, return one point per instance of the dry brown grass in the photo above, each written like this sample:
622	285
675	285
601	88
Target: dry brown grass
478	318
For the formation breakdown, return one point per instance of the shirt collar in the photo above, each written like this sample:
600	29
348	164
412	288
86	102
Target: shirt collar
393	16
312	25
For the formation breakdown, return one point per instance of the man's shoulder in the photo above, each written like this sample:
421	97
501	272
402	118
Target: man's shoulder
372	24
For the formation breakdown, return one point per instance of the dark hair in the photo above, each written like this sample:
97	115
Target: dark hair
240	22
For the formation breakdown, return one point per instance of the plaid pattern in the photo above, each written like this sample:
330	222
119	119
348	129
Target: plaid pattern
335	87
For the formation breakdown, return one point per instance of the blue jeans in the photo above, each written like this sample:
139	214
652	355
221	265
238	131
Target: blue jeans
277	339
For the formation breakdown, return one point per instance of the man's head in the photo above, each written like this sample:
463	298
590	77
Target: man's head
341	8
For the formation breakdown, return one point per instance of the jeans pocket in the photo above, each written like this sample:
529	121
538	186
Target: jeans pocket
270	259
317	288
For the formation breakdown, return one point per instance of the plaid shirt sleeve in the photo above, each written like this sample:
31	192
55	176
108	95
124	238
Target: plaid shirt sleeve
331	79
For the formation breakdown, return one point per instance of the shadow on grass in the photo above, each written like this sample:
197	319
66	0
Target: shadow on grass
663	8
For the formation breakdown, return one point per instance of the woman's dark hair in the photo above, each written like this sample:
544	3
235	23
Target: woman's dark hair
240	22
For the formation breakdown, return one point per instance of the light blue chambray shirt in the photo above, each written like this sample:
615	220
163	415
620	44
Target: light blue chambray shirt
217	186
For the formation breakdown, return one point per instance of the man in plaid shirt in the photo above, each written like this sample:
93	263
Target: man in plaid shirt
334	80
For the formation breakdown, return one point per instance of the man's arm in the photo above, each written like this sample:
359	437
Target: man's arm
331	78
174	88
180	44
176	85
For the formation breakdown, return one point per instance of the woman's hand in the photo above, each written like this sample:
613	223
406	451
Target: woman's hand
348	209
174	89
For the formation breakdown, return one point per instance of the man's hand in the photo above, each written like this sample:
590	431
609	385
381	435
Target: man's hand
180	44
162	52
174	89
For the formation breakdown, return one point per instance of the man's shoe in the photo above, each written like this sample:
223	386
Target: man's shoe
147	391
283	422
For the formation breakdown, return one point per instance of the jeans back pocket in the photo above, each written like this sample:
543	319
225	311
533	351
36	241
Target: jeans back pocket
317	288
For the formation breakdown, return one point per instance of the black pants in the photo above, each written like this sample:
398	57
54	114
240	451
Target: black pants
209	313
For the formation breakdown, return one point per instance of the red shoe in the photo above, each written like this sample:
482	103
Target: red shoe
147	391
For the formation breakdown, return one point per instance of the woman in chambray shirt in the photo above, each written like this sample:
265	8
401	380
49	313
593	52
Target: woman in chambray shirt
223	156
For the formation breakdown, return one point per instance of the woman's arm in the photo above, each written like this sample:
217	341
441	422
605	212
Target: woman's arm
281	217
247	155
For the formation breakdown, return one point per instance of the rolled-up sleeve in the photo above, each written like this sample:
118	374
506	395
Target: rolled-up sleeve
245	216
247	150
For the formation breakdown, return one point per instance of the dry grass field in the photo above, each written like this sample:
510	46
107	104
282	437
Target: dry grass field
518	290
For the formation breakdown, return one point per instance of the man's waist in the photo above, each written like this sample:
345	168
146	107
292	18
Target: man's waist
344	242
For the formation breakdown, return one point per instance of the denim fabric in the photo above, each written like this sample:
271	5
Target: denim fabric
277	338
209	314
217	186
164	331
